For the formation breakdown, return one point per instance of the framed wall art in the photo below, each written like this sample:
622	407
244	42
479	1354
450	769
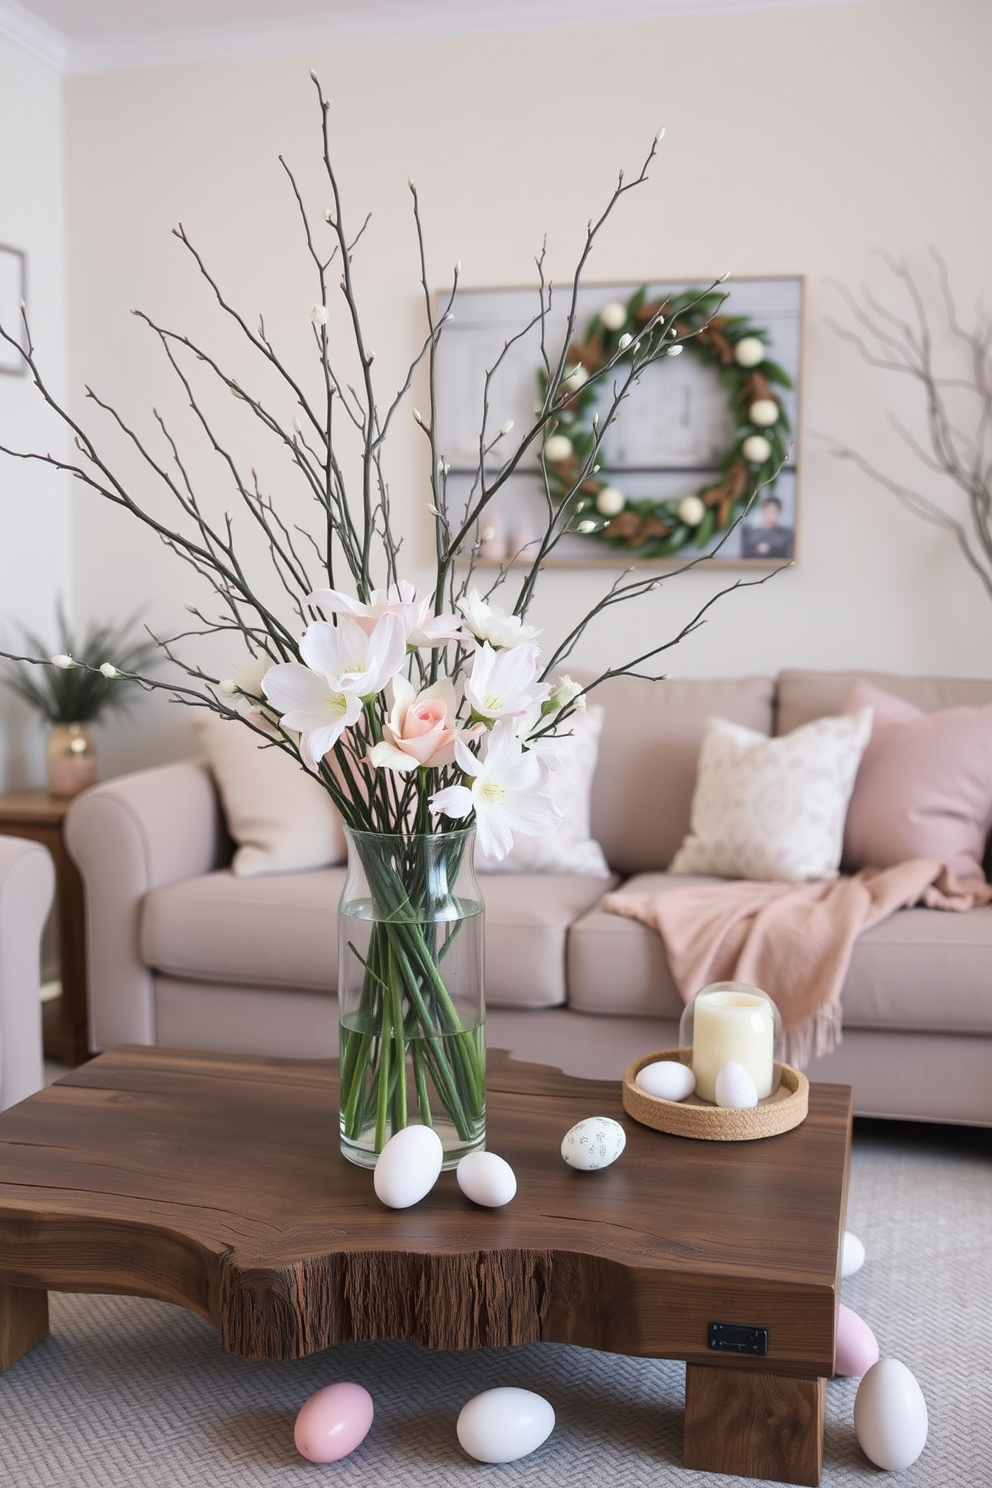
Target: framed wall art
12	279
702	457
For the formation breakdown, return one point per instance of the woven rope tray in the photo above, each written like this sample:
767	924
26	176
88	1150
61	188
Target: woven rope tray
692	1117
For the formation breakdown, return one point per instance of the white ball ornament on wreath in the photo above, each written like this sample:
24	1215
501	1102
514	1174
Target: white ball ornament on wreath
557	448
763	412
749	351
691	511
613	315
610	501
756	449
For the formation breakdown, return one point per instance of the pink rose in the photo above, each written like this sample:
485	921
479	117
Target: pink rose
420	730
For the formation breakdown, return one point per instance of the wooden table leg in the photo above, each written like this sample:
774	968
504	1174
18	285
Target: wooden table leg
23	1322
756	1425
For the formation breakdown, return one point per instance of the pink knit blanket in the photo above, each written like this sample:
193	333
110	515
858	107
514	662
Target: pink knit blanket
792	940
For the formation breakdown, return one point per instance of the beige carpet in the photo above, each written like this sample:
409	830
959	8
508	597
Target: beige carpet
135	1394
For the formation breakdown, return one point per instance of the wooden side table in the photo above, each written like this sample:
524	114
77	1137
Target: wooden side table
39	817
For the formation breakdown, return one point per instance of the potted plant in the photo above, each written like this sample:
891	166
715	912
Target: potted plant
74	692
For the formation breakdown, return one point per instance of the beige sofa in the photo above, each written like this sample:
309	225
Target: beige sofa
183	953
27	887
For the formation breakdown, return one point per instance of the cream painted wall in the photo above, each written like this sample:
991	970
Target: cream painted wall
797	141
34	507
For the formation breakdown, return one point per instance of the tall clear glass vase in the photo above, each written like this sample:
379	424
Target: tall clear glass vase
410	984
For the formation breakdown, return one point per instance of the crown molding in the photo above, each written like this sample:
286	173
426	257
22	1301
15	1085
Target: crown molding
351	24
22	27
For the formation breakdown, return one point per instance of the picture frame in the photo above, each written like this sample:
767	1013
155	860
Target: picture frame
13	277
667	440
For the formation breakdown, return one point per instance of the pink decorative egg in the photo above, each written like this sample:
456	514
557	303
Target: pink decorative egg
333	1422
856	1348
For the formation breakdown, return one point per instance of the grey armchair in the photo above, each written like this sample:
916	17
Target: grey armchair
27	885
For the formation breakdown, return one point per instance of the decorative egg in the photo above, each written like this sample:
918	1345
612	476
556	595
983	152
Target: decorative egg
486	1179
666	1078
593	1143
852	1254
408	1166
855	1347
734	1088
890	1416
333	1422
504	1424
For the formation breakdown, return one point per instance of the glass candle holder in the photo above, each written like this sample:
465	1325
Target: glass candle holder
732	1022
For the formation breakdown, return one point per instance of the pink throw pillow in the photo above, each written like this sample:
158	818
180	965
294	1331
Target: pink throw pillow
924	787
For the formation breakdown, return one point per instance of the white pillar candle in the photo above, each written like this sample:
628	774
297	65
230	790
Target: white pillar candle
731	1022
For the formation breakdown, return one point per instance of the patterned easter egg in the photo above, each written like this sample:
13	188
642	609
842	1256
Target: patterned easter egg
593	1143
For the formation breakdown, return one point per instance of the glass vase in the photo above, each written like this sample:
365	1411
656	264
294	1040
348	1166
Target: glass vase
410	984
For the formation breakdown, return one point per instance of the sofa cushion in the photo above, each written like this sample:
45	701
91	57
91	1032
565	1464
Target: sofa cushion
280	818
921	970
924	789
647	758
281	931
773	809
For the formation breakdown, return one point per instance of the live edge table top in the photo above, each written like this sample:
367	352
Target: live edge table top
215	1182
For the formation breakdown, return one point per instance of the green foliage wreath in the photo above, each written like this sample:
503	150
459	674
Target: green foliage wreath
736	348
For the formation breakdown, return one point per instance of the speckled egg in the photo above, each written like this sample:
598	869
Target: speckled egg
666	1078
593	1143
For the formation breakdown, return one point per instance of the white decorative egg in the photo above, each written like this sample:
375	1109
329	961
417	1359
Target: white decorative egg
852	1255
734	1088
408	1166
593	1143
890	1416
504	1424
486	1179
666	1078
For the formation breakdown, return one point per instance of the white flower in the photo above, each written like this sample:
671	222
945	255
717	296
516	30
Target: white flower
674	351
318	315
749	351
310	705
504	684
613	315
505	429
565	691
610	501
504	793
228	687
66	663
691	511
625	341
756	449
353	660
763	412
110	671
247	675
420	625
557	448
586	527
489	623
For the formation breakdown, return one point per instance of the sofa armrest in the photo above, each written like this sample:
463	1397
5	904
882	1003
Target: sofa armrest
129	836
27	886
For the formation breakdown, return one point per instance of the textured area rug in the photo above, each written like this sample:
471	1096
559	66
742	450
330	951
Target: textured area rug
128	1393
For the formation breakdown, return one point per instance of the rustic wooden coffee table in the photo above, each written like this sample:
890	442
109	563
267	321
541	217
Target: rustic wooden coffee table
215	1182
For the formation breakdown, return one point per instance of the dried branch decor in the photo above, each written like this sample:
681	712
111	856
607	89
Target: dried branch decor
958	408
422	715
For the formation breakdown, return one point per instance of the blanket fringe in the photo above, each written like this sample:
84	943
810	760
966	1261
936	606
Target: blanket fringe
818	1035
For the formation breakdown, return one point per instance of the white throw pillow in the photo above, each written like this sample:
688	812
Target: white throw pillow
570	849
280	818
773	809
